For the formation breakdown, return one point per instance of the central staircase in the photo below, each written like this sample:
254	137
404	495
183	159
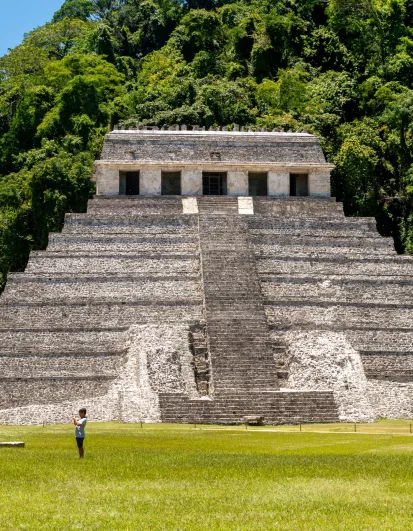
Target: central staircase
244	372
241	356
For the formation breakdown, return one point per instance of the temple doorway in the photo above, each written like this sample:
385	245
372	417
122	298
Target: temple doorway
129	183
257	184
171	183
214	183
298	184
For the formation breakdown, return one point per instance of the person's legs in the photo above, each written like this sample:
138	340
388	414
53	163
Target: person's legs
79	442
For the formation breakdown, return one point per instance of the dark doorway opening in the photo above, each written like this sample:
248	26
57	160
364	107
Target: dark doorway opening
298	184
129	183
171	183
257	184
214	183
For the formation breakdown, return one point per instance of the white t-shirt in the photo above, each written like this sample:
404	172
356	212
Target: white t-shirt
80	430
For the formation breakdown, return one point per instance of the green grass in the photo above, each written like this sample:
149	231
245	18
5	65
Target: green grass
164	477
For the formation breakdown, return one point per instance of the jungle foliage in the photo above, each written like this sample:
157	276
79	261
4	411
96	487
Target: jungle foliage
342	69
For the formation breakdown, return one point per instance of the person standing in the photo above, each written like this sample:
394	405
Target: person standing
80	424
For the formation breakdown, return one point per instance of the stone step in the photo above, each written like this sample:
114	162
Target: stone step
338	316
48	263
152	239
304	250
322	234
265	225
295	210
101	315
379	340
231	280
382	290
290	240
20	392
113	242
297	199
391	366
276	408
336	265
44	342
26	287
120	222
60	365
136	204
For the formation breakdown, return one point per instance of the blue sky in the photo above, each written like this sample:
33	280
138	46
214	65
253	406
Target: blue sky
18	17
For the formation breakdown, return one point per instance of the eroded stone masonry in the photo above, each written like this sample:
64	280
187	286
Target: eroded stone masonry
213	278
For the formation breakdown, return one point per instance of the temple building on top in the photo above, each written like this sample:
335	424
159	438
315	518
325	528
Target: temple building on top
153	162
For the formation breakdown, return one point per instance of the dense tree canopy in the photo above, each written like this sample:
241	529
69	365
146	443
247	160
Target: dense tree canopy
342	69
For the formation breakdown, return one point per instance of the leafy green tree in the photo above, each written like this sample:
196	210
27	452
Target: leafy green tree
80	9
199	30
25	63
288	94
335	93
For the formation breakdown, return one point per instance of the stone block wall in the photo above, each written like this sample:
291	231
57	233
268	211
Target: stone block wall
319	183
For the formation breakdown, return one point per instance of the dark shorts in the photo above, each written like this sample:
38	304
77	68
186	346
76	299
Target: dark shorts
79	441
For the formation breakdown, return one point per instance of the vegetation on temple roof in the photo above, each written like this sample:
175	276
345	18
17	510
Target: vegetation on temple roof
341	69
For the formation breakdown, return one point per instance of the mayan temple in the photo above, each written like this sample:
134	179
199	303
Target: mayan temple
213	278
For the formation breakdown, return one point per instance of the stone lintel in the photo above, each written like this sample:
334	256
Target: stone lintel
275	136
123	165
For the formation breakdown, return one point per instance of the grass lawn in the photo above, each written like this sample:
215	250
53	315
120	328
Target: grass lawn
179	478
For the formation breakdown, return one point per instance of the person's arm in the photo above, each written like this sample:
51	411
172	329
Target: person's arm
75	421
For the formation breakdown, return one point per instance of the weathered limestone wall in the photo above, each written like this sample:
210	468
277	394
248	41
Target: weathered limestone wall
391	399
191	182
345	297
237	183
150	181
322	360
115	314
68	324
153	358
339	289
107	180
319	183
278	183
17	392
100	409
388	364
158	359
92	289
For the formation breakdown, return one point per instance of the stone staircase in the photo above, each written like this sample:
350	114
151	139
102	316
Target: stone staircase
245	375
241	356
232	408
221	205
